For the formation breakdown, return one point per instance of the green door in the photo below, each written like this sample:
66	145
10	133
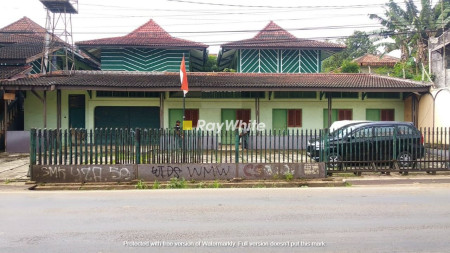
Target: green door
174	115
373	114
279	119
227	115
334	117
77	111
126	117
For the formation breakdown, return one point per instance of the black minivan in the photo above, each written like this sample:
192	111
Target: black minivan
383	141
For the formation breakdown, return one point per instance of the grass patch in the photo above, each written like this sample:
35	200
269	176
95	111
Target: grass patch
156	185
201	185
215	184
289	176
176	183
141	185
260	185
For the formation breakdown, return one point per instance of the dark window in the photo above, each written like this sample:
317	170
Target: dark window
125	94
192	115
239	94
295	94
343	94
383	95
220	94
295	118
190	94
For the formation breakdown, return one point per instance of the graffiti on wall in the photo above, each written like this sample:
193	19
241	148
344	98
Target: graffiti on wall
80	173
187	171
164	172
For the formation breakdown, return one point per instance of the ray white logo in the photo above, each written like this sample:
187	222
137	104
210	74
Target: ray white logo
230	125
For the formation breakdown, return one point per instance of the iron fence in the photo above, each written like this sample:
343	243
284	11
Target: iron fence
382	150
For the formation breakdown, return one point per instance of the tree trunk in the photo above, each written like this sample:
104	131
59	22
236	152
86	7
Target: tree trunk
404	53
421	54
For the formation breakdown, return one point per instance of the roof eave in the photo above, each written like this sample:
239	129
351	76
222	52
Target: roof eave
52	86
90	46
278	47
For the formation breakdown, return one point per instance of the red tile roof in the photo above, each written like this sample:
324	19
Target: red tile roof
222	81
149	35
23	30
375	60
275	37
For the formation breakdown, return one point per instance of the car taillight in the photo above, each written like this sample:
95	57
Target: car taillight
421	139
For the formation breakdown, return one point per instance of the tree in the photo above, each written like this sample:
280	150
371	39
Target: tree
357	45
411	29
211	64
349	67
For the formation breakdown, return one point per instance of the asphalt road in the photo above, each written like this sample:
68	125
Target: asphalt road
350	219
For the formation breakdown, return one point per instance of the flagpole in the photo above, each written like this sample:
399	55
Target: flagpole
184	105
183	156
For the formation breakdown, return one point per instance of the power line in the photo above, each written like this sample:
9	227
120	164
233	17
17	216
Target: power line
281	7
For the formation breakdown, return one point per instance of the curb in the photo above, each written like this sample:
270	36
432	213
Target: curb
189	185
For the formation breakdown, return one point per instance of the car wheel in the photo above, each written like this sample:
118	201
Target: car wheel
334	160
404	159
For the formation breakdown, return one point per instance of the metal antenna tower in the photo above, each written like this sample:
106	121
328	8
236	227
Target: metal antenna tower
58	51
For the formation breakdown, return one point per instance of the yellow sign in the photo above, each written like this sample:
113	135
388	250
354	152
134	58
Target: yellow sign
187	124
9	96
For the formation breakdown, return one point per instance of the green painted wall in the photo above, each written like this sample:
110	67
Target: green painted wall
312	109
209	109
33	108
143	59
279	61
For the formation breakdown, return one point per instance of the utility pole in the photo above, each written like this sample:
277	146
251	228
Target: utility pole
443	46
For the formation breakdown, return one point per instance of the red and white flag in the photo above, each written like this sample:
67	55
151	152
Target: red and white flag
183	77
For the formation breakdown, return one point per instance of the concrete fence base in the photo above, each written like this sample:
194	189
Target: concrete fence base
164	172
